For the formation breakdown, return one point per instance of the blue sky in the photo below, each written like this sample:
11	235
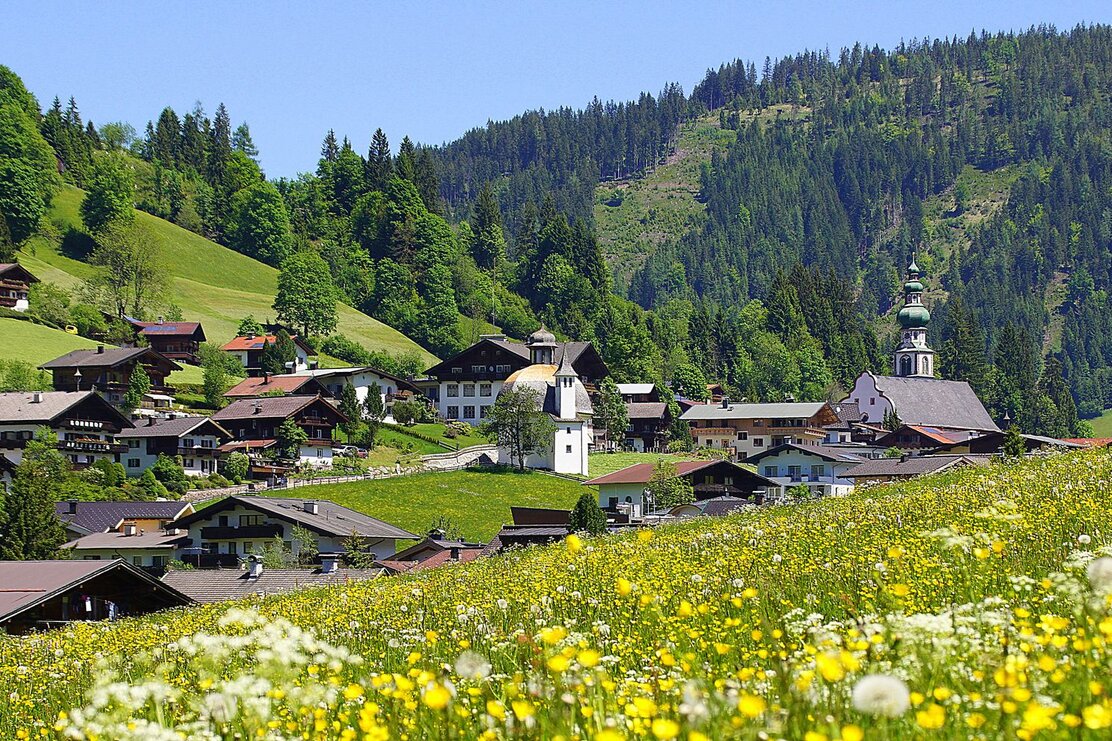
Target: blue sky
432	70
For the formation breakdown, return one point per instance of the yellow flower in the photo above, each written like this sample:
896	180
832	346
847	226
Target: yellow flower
665	729
523	709
852	733
932	718
353	691
1096	717
900	590
609	734
496	709
830	667
685	609
644	535
1038	717
588	658
751	706
814	736
624	586
437	696
574	543
558	664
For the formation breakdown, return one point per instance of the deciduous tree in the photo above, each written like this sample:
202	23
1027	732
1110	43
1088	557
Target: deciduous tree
518	424
306	297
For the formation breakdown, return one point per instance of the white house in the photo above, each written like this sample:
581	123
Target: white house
248	350
151	549
86	424
196	439
819	468
220	535
362	378
747	429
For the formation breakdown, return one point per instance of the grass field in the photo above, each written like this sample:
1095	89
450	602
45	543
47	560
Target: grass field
1102	425
212	284
36	344
477	502
972	605
601	464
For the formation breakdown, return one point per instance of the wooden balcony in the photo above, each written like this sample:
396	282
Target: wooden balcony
240	532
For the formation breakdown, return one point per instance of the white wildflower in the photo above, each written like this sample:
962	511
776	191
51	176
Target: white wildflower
881	695
1084	539
470	665
1100	575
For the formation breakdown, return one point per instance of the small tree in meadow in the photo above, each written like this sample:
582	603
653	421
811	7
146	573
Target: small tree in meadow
587	516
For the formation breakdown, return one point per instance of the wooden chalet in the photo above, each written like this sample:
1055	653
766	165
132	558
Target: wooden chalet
86	425
108	370
15	286
254	425
179	341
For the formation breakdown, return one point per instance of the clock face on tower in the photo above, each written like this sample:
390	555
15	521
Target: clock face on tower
907	335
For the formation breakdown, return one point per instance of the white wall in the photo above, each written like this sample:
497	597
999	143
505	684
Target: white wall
868	399
192	465
134	556
317	455
460	401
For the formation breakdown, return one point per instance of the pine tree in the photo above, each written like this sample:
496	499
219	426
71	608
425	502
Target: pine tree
349	407
587	516
138	386
380	162
29	527
242	142
488	245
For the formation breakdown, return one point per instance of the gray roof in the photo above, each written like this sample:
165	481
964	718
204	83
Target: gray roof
847	411
270	407
935	403
783	410
914	466
171	427
646	409
542	379
219	585
822	451
633	389
118	541
98	517
18	406
330	519
110	357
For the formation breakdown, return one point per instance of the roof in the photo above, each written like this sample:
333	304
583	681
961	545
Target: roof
996	439
846	411
14	269
118	541
98	517
269	407
542	379
234	445
640	473
931	433
259	385
715	507
782	410
914	466
575	349
109	357
356	370
176	427
256	342
822	451
633	389
646	409
934	402
1089	442
466	552
168	329
27	584
219	585
19	406
330	519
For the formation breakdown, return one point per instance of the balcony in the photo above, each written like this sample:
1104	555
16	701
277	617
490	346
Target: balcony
315	421
212	560
197	451
242	532
90	446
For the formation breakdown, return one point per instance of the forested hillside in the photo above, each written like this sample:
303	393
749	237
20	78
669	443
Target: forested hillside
758	226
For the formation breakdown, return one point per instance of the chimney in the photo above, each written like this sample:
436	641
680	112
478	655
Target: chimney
160	319
266	377
258	406
725	402
311	507
329	563
254	566
436	534
36	397
100	349
71	508
130	529
150	421
313	364
454	553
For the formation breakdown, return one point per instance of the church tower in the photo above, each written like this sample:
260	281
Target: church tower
913	357
566	379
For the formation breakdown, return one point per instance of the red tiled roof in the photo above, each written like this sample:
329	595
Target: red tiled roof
640	473
1089	442
257	342
436	559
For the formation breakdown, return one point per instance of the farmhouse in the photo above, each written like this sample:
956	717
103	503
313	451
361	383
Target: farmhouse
196	440
819	468
709	479
208	586
151	549
82	518
276	385
15	286
224	532
435	550
86	425
248	350
362	379
179	341
747	429
466	385
993	442
47	594
921	437
108	371
254	424
884	470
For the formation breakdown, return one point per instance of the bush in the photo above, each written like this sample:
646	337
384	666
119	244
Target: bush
170	474
237	466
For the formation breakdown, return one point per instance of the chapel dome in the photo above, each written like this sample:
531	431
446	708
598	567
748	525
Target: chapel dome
915	316
541	337
542	379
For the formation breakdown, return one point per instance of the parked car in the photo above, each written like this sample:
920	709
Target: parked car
351	451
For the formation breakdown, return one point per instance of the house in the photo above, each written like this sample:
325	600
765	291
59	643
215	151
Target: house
82	518
208	586
747	429
842	430
275	385
37	595
222	533
254	423
883	470
530	526
108	370
196	440
708	479
466	385
920	437
650	425
637	393
248	350
818	467
180	341
562	396
993	442
15	286
435	550
362	378
148	549
86	425
914	396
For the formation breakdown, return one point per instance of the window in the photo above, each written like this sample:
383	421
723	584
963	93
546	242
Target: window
567	448
187	463
729	481
769	471
452	390
818	470
133	463
248	547
758	442
137	560
158	560
457	369
503	368
478	369
250	520
742	435
485	389
320	452
468	389
231	548
453	412
206	443
795	472
469	412
569	430
133	444
223	521
187	442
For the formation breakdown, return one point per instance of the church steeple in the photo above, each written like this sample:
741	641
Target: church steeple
913	357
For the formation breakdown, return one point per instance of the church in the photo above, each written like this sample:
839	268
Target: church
563	397
913	394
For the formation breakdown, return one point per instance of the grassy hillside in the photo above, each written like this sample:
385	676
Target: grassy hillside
477	502
973	600
36	344
212	284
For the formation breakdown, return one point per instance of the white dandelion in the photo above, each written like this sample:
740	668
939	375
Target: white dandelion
881	695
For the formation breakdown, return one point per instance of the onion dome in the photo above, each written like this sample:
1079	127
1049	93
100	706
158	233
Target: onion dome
914	316
541	337
913	286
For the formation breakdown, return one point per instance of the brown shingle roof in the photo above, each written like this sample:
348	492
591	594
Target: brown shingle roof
269	407
97	517
330	519
914	466
173	427
259	385
646	409
640	473
20	406
220	585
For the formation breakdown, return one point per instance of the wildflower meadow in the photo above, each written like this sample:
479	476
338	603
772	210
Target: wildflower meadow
977	604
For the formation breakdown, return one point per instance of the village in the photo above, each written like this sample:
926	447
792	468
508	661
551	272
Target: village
136	556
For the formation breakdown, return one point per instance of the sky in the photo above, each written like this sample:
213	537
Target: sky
430	70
